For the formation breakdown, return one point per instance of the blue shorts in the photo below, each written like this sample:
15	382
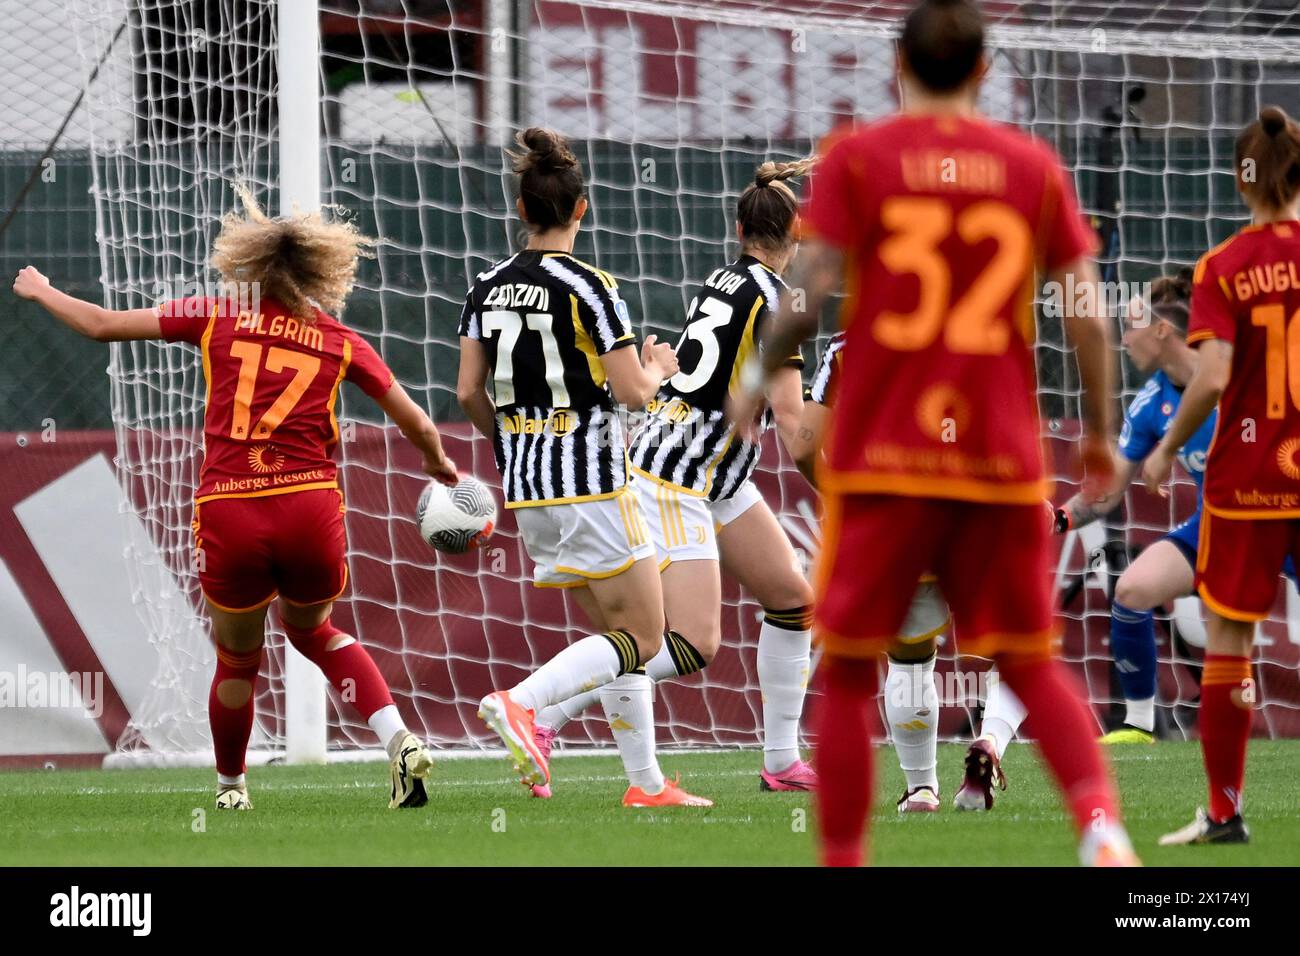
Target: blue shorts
1186	538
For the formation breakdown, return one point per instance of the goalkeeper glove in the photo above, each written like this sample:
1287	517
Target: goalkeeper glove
1061	522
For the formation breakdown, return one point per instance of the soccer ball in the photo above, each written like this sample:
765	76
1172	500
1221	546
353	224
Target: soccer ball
457	518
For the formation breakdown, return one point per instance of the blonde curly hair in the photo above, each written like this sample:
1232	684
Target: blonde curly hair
302	261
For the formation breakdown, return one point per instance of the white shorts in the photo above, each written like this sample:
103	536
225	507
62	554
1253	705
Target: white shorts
928	617
685	527
729	509
573	543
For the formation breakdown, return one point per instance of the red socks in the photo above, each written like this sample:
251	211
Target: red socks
1225	727
347	666
1067	737
230	707
230	702
846	717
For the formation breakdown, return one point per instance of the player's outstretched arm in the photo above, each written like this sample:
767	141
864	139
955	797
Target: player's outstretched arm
635	382
416	426
1079	511
1088	330
91	320
471	387
1213	369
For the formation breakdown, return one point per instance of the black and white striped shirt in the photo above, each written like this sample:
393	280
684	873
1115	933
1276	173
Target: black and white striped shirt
822	388
545	318
686	441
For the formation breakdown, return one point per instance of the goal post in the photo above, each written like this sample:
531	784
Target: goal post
299	142
398	113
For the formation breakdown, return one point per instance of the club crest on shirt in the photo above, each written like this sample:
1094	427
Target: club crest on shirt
942	412
264	458
1286	458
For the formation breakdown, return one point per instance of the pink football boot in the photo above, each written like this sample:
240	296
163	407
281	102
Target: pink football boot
798	776
544	737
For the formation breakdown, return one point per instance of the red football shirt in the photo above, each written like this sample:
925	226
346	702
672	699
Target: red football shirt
944	222
272	383
1246	291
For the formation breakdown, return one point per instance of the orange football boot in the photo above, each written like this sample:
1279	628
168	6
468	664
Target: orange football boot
672	795
516	727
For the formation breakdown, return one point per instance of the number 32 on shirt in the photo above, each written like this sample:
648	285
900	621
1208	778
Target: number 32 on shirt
971	325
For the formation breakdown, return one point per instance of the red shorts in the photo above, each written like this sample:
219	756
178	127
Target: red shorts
991	562
1239	560
249	550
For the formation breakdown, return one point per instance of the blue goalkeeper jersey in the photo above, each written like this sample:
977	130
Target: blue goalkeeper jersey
1148	418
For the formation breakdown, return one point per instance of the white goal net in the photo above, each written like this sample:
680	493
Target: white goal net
670	106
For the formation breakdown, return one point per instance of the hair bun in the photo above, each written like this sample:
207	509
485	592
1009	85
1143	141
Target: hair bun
1172	289
1273	119
765	173
547	151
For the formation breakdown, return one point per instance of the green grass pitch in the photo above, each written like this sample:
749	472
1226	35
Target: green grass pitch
336	815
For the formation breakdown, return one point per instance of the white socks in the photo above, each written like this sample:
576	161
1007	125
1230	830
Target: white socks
912	709
629	709
663	666
583	665
387	723
557	715
783	655
224	781
1003	713
1141	714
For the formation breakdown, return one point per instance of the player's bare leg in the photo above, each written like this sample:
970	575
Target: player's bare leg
692	599
629	701
353	674
757	553
912	712
552	720
686	597
239	636
1227	702
632	601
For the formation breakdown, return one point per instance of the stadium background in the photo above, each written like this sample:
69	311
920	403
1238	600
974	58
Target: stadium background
438	198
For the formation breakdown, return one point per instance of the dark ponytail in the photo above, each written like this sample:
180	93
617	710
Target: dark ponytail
1271	145
550	178
1171	298
767	208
